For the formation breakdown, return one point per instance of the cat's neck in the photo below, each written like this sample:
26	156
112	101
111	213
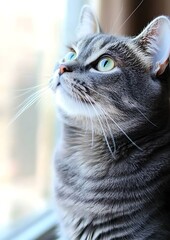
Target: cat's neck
91	145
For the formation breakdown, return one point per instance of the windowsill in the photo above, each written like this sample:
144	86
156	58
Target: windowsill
42	227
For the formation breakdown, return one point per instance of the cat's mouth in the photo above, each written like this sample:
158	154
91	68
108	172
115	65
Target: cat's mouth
58	84
74	103
75	93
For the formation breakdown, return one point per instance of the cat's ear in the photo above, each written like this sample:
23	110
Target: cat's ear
88	23
155	41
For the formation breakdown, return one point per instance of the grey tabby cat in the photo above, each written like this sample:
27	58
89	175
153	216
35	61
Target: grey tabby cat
113	161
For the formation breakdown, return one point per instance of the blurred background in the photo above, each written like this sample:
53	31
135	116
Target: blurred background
33	34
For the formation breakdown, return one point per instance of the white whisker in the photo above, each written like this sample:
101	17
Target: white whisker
26	93
130	15
119	128
31	97
27	105
104	134
145	117
102	95
116	20
91	120
120	104
30	88
111	135
75	96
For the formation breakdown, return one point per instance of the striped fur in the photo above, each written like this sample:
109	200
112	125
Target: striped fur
113	161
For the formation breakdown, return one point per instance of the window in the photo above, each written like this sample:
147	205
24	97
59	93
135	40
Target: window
29	47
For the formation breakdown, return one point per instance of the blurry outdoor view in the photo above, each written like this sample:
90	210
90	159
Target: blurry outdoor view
31	32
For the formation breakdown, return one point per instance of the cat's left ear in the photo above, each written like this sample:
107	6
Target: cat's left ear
155	41
88	23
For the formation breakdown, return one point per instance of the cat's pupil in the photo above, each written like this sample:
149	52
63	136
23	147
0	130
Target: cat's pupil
70	56
105	64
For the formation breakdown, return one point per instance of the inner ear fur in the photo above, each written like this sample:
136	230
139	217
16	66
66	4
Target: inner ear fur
88	23
155	40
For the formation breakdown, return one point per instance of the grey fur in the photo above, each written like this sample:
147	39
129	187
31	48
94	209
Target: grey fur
113	171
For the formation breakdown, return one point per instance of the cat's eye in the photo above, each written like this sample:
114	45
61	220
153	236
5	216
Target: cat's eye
105	64
70	56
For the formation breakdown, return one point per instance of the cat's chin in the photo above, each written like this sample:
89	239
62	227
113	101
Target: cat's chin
74	107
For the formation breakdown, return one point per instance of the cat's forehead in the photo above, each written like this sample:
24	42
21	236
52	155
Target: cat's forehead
93	46
96	42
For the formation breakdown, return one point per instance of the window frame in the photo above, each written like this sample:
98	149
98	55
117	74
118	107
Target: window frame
41	227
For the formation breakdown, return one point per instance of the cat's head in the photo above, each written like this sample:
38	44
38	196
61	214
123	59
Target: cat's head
109	83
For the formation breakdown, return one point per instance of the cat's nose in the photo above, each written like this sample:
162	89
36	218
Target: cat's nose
63	68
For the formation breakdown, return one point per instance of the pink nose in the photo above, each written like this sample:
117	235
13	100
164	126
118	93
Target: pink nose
63	69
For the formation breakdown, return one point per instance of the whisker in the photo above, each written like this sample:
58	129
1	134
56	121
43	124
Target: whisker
111	135
87	97
120	104
85	105
31	96
30	88
145	117
91	120
24	94
74	95
120	128
43	98
117	19
27	106
138	6
102	95
104	134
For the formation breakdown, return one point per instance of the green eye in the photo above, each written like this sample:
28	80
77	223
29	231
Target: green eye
70	56
105	64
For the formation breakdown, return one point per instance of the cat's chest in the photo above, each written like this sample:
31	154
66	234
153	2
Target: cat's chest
92	188
77	182
89	188
80	162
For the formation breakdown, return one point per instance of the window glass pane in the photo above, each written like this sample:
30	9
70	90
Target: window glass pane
29	46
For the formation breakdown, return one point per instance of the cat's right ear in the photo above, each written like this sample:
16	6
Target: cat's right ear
88	23
155	41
